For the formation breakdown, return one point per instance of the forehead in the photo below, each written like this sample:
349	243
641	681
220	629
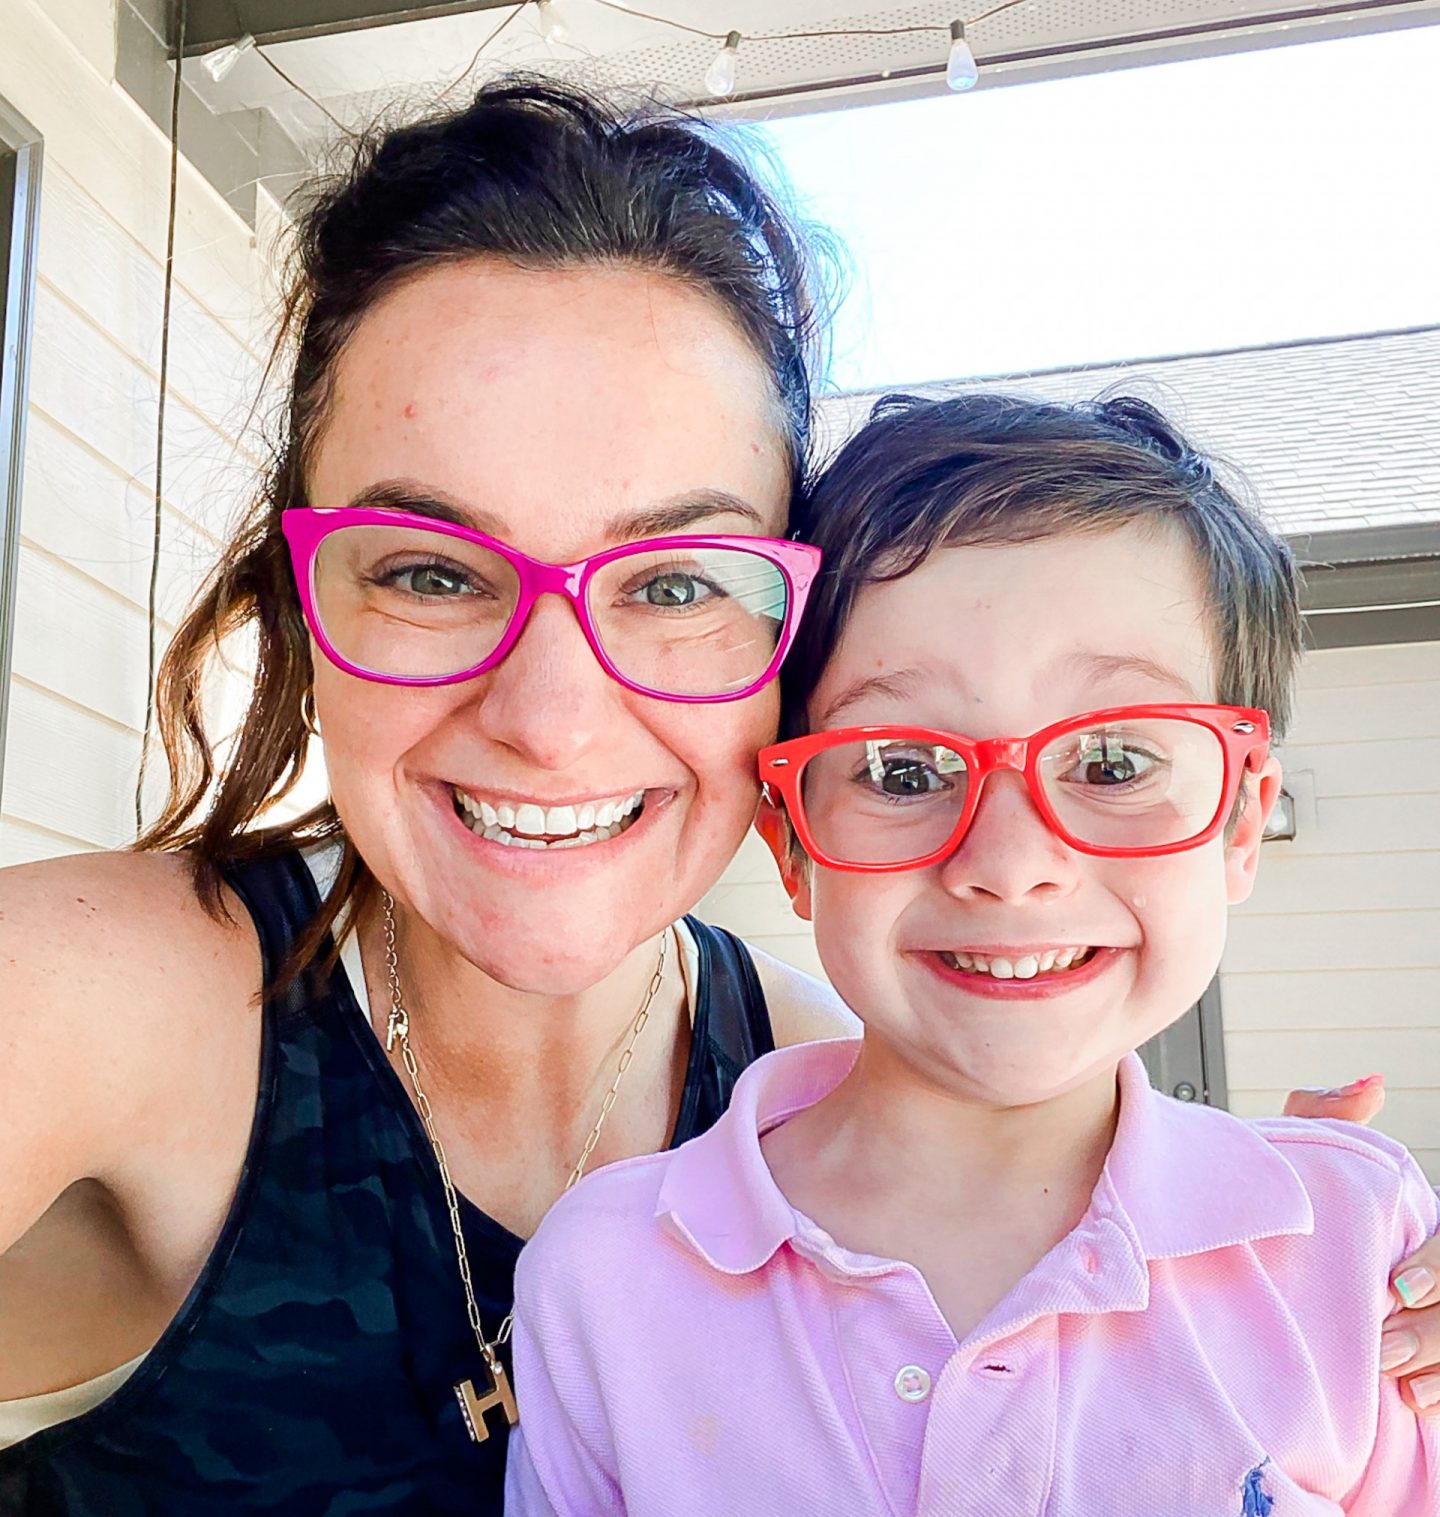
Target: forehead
551	399
1012	636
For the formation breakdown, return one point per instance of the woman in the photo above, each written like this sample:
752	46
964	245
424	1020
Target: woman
526	335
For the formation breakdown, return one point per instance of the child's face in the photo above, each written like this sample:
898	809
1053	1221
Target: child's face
1000	642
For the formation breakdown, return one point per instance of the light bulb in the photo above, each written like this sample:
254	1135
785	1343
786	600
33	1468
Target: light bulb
961	71
552	26
223	59
720	77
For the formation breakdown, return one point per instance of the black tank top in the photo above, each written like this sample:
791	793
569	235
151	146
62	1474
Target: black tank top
309	1370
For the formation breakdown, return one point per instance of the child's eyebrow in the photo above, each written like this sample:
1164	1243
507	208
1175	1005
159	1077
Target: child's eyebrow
1104	665
900	684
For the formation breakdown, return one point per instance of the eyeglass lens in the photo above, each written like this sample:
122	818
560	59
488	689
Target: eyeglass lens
1141	784
407	602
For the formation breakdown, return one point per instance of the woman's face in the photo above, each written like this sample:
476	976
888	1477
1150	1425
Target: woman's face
557	410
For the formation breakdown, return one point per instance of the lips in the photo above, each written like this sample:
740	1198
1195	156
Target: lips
1085	965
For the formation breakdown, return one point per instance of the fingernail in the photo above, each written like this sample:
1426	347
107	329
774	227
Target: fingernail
1354	1087
1398	1346
1426	1390
1414	1284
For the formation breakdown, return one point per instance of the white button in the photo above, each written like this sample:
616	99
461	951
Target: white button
912	1383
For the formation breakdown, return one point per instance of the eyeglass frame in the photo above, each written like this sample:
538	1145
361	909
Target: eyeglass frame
1244	743
306	528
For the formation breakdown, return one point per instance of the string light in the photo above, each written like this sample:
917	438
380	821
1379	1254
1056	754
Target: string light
552	24
961	70
219	63
720	77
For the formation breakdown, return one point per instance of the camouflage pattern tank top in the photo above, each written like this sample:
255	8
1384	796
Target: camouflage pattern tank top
309	1371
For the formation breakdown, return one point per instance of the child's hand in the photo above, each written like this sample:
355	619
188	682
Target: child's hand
1359	1101
1410	1344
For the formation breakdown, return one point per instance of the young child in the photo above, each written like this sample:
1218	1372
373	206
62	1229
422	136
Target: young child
974	1264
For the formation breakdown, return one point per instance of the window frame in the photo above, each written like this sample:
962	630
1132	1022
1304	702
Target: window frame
20	210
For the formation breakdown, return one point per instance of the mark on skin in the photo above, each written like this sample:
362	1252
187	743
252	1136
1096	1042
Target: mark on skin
410	410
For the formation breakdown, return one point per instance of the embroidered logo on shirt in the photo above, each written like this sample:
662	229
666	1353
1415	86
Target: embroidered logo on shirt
1258	1501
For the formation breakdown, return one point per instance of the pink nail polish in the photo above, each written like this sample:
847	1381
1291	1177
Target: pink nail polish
1398	1346
1426	1390
1414	1284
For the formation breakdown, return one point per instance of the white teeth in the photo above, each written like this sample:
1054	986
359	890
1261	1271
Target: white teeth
530	825
1026	967
530	820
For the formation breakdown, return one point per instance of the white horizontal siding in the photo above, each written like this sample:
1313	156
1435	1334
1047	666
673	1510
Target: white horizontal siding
81	636
1332	969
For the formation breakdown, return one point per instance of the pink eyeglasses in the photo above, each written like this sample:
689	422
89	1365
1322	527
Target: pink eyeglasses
1126	782
403	599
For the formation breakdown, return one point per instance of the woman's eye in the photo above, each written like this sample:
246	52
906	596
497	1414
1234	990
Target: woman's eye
431	581
674	591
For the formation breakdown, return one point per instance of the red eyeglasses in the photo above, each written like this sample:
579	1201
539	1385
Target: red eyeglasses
1126	782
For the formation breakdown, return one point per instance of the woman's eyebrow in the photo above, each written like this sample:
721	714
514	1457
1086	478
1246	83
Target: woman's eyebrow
406	495
679	513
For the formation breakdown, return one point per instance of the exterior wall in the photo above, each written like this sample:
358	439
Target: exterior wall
1333	967
78	686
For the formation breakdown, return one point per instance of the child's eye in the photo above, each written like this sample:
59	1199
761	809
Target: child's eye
900	774
1105	760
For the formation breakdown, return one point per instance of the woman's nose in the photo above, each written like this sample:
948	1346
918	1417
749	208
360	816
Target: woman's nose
1009	854
549	699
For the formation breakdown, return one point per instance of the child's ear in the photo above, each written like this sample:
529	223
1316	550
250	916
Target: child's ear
1242	846
774	826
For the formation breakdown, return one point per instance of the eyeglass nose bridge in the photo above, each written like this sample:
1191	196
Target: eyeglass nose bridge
1002	753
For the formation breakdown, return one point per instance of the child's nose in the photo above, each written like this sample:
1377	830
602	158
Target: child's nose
1009	853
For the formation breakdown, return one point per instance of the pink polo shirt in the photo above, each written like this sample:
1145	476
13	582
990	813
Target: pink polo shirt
1204	1344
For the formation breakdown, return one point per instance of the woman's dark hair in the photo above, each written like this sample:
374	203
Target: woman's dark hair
988	468
541	175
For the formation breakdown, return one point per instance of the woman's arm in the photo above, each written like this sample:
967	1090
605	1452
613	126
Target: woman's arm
127	1029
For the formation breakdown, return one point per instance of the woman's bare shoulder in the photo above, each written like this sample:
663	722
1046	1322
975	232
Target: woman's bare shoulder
108	920
802	1008
115	984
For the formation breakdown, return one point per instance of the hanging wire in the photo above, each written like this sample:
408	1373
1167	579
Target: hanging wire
300	89
621	8
152	599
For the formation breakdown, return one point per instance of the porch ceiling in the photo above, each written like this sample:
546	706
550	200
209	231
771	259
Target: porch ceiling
361	57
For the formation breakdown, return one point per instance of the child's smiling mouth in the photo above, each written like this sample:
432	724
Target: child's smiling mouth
1020	965
1016	974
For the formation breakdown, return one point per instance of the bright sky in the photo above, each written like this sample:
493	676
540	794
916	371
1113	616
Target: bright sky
1225	202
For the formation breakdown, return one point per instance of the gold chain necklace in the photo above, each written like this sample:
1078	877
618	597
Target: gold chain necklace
498	1393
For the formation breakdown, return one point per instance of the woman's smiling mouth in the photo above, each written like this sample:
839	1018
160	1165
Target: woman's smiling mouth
529	824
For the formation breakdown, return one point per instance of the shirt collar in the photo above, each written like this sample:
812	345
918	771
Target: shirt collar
1181	1178
718	1193
1191	1178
